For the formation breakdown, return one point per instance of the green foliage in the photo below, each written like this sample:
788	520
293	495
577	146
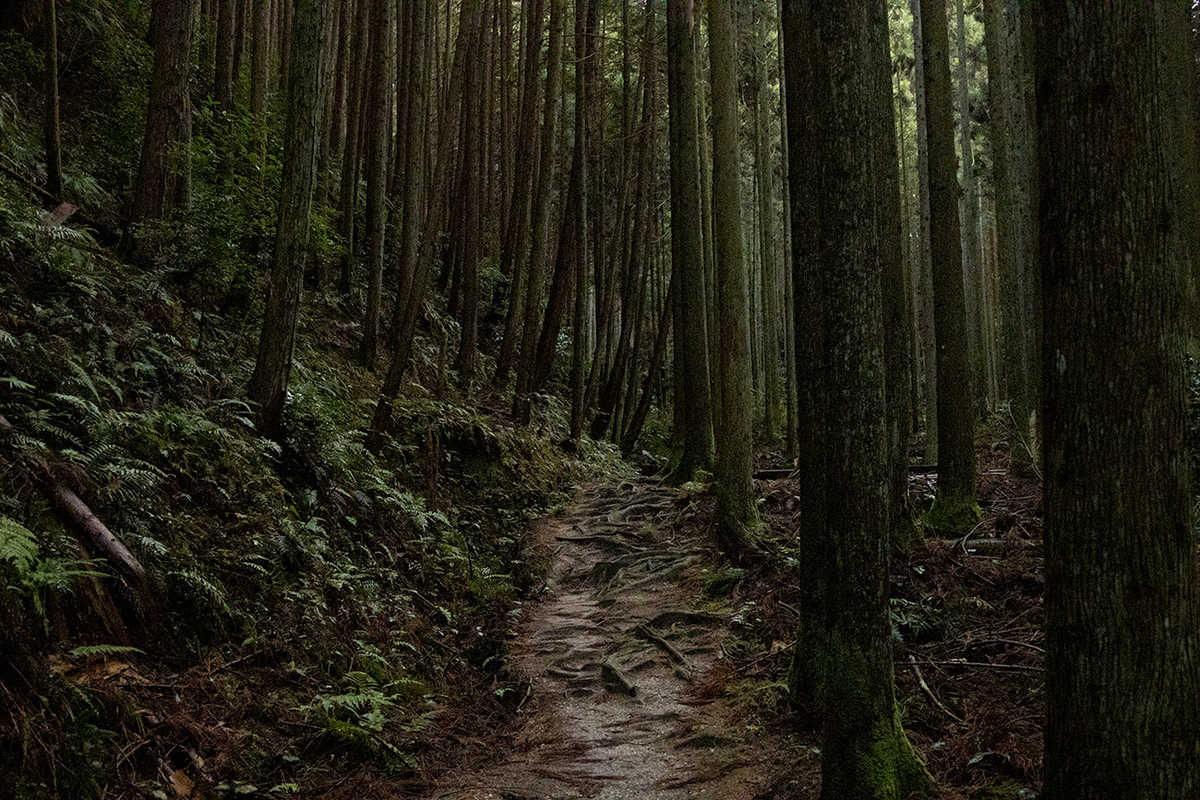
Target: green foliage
917	622
368	716
33	577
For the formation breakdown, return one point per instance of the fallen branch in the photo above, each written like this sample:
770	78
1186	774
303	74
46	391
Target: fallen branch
983	664
921	680
79	517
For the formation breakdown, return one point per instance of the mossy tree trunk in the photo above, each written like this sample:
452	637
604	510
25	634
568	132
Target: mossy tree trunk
735	515
695	440
955	508
839	90
1122	642
268	384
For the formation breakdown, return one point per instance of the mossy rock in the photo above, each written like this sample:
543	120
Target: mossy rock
951	517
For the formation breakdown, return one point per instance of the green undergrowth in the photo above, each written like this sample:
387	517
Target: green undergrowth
316	605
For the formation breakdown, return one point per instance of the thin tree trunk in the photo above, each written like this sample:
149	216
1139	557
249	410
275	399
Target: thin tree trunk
764	173
955	509
164	181
348	194
538	250
515	242
52	137
925	267
472	144
735	514
972	277
260	68
268	384
377	134
695	440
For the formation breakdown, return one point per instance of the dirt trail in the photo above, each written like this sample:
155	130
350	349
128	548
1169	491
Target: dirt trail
615	653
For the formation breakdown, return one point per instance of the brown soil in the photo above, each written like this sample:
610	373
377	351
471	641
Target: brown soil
627	668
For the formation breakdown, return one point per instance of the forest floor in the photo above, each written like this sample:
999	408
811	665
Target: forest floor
647	669
622	662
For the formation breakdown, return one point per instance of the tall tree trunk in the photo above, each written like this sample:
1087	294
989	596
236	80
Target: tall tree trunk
223	77
348	194
577	206
1117	156
955	509
789	306
695	440
260	69
735	514
414	173
164	179
765	178
972	275
435	213
837	68
472	144
268	384
377	135
924	251
1010	250
52	137
539	244
515	241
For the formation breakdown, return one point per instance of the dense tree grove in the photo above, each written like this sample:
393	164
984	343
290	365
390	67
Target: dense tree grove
310	308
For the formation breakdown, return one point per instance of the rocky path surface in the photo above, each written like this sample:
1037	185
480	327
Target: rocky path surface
620	655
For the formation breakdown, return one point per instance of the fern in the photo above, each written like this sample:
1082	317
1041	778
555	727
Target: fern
90	650
18	546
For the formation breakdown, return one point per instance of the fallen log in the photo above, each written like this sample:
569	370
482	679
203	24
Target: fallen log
78	517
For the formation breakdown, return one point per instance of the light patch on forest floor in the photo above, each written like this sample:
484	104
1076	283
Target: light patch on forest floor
626	667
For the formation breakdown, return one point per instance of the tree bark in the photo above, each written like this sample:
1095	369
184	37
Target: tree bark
836	60
925	261
1010	249
268	384
735	514
52	138
164	181
539	244
1122	637
377	136
695	440
765	179
972	272
955	509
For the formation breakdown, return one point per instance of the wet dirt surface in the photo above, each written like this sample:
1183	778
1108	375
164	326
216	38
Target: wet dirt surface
614	653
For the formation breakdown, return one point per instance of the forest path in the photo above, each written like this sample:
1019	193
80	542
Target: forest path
622	658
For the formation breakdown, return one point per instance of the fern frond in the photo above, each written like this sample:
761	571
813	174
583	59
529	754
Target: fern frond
18	545
89	650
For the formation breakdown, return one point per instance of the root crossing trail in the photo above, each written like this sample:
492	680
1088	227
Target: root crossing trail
622	655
